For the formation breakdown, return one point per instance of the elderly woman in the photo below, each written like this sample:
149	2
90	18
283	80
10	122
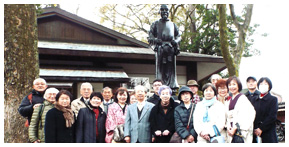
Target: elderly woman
239	110
90	125
36	128
266	107
222	91
116	112
162	116
59	121
182	116
209	112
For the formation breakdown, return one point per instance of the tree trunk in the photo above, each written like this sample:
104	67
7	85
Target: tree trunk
242	30
224	41
21	66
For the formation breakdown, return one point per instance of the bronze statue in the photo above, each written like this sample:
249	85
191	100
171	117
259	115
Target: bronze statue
164	37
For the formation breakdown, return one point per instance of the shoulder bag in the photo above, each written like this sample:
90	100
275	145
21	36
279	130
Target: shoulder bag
218	138
176	137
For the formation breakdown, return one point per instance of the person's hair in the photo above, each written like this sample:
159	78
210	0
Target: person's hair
235	79
267	80
158	80
50	90
34	82
140	86
86	83
97	94
61	92
122	90
209	85
106	88
132	93
163	87
221	83
215	75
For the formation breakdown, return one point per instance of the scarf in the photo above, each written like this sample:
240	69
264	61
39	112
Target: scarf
208	104
67	113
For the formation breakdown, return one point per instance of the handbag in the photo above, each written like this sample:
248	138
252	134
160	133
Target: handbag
218	138
176	137
118	133
238	138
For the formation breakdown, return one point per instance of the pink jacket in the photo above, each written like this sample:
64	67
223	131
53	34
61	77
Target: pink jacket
115	116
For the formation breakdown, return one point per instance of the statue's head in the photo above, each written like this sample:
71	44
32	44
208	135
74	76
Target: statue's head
164	11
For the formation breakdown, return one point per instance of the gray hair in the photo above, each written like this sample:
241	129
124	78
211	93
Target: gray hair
34	82
86	83
106	88
50	90
140	86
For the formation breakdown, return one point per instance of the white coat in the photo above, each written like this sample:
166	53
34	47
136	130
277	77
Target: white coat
217	117
244	114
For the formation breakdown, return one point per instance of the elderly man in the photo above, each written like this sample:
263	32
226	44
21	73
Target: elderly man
156	85
85	90
107	98
194	86
214	78
32	100
137	126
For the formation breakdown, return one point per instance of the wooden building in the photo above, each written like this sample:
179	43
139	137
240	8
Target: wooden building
73	50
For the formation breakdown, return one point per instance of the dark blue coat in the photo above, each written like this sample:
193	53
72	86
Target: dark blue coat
26	108
86	126
266	116
181	121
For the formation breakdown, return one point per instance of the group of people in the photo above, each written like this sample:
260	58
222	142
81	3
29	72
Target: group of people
104	117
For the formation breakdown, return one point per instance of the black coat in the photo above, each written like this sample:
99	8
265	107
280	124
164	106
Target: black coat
86	126
55	128
154	99
181	121
26	108
252	96
266	116
161	121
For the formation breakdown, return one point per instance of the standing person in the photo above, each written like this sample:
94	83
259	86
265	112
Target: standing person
194	86
222	90
116	112
85	90
156	85
239	110
209	112
137	126
252	93
182	114
266	107
162	116
107	98
59	121
214	78
90	125
36	128
132	98
32	100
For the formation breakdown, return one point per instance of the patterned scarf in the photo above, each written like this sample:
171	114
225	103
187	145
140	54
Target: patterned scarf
67	113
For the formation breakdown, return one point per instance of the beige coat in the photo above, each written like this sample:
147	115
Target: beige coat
76	105
217	117
244	114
